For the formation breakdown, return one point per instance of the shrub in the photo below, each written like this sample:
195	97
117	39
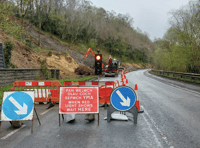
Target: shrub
44	69
8	52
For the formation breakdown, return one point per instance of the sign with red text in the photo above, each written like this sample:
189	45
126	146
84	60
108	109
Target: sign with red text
79	100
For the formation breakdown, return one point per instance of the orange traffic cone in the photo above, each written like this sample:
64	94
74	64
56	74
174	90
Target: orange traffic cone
124	81
137	104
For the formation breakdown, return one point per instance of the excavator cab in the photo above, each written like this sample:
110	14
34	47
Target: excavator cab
112	68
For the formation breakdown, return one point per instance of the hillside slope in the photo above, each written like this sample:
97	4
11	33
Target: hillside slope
23	57
53	44
58	57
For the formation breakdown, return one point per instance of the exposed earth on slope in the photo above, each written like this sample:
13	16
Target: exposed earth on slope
53	44
23	57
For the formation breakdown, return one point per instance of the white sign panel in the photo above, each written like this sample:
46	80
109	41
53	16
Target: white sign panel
41	83
28	83
17	105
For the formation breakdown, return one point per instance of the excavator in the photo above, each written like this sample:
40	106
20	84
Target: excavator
112	69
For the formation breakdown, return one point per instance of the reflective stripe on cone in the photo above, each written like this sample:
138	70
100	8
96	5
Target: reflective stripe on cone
137	104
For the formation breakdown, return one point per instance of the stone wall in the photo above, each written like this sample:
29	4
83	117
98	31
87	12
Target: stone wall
9	75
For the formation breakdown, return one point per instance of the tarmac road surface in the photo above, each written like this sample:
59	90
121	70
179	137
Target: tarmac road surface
171	119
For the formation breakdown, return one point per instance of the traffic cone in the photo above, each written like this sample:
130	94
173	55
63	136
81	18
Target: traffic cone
123	84
137	104
116	83
126	81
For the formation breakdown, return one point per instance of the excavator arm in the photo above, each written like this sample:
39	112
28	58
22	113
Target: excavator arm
89	51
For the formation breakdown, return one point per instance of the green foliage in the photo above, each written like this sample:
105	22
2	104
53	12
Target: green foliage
78	79
81	24
37	77
89	26
8	52
44	70
50	53
29	43
6	24
5	88
179	48
92	44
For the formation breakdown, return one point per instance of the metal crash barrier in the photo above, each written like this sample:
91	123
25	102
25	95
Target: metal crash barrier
45	91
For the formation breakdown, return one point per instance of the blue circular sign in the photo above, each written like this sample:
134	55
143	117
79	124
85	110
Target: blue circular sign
123	98
17	106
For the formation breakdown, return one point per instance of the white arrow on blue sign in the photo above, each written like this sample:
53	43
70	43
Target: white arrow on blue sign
123	98
17	105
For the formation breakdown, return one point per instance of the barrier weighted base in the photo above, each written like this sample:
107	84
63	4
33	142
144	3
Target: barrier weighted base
133	111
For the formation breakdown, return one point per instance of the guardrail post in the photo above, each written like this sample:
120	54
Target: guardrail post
58	74
52	73
2	61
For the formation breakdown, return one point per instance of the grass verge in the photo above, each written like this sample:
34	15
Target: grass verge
5	88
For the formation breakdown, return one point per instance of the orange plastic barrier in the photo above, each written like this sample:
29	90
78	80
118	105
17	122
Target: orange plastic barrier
104	94
44	90
80	83
105	91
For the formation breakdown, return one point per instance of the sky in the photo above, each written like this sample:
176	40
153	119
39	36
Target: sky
149	15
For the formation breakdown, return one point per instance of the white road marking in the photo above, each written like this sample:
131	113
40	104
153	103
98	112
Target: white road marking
154	135
46	111
11	133
157	128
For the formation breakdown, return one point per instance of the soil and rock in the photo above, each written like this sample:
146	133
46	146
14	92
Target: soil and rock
23	57
53	44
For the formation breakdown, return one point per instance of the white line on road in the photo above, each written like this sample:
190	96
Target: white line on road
46	111
157	128
11	133
154	135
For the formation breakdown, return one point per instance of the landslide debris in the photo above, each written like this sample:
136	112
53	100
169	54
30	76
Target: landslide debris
24	57
65	63
84	70
53	44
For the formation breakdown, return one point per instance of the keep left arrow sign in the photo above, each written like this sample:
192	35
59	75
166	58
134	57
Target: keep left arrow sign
125	102
22	110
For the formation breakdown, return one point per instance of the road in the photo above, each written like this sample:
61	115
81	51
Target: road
171	119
